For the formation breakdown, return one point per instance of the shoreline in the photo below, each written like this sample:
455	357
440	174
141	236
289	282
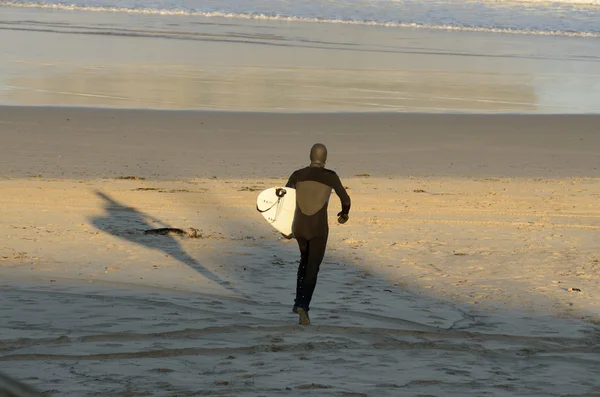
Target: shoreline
255	17
162	62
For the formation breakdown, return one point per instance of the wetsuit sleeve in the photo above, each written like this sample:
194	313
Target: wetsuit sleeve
342	194
292	181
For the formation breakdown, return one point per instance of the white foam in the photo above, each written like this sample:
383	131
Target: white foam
283	18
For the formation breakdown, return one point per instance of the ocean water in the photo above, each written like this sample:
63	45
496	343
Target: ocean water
313	55
561	17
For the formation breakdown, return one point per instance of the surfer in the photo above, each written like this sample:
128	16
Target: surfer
313	186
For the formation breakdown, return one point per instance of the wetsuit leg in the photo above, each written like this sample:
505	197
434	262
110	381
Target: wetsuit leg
315	254
303	245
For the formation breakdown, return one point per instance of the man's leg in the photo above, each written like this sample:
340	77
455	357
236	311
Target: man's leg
303	245
316	253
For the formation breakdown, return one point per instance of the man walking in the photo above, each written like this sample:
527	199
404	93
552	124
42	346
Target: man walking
313	186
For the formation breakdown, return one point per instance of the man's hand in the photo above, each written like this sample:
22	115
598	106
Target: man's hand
342	217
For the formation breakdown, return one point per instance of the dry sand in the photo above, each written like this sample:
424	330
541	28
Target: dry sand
469	266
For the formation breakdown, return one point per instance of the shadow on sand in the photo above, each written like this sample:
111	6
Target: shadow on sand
118	214
10	387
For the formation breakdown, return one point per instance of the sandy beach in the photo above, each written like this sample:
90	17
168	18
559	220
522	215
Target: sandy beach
469	265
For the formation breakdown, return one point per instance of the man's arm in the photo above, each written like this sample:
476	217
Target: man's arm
292	180
343	195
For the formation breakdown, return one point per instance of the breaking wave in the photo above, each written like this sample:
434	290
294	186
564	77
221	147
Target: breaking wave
287	18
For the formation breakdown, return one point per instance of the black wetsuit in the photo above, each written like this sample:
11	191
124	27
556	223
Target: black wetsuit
310	228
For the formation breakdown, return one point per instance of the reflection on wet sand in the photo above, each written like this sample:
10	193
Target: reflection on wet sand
273	88
174	62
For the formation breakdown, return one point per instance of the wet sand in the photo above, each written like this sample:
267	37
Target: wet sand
96	143
76	58
468	266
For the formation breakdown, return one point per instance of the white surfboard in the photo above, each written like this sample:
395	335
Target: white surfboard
277	206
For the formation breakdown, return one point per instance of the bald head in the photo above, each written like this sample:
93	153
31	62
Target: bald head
318	155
